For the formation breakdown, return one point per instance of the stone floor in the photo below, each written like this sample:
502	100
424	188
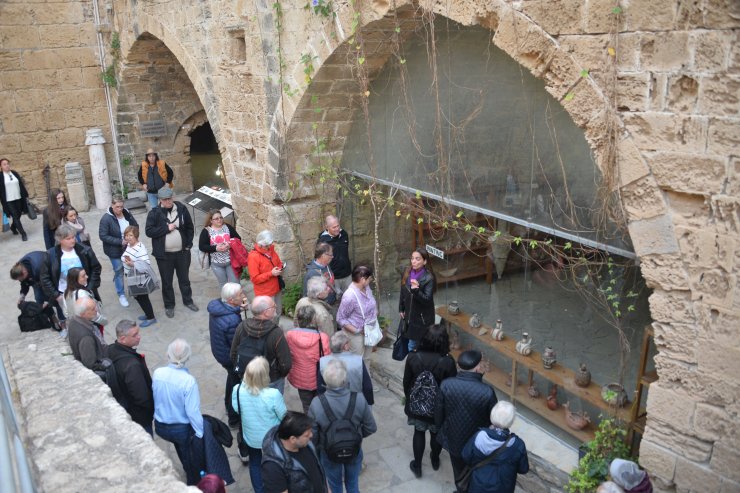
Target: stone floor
387	453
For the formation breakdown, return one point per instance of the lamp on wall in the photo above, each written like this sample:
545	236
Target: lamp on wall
219	170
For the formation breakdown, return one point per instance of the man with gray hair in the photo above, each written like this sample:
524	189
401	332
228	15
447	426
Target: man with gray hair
224	316
261	336
316	293
358	378
177	416
134	380
340	403
340	263
85	339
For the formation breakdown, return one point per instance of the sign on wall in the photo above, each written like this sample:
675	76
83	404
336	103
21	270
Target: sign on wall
154	128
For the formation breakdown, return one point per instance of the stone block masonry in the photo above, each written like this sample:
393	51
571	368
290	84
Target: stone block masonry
101	447
51	74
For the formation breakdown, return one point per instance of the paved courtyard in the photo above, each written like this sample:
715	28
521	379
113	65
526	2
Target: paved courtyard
387	453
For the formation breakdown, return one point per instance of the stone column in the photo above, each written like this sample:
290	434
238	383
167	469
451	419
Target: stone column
98	168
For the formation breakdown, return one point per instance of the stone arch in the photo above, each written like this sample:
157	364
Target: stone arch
155	87
334	88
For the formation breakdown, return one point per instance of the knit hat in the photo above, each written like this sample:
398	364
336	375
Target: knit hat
469	359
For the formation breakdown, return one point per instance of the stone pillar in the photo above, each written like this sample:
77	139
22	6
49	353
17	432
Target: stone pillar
98	168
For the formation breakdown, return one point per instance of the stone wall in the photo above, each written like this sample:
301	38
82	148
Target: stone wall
72	443
51	90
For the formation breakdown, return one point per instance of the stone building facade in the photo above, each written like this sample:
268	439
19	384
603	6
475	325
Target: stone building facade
665	100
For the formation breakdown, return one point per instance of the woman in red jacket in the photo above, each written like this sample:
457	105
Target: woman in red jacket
307	345
265	267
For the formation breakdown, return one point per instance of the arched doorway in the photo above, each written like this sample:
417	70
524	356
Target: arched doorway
158	107
205	159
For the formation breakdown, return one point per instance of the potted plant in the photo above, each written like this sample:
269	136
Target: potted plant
593	467
291	294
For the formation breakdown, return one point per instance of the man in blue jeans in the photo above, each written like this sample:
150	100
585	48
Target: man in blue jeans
177	416
339	399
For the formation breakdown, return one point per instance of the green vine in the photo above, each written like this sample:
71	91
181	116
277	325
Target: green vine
109	74
321	7
608	444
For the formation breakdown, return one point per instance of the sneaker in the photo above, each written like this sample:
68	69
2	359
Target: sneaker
63	334
24	237
170	312
192	306
245	460
142	317
147	323
122	300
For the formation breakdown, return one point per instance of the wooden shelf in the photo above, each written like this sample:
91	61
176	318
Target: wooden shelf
497	378
563	377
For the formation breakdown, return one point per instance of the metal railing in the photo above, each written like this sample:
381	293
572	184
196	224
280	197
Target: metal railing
15	471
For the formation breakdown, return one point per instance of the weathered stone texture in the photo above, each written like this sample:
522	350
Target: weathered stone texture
51	388
688	173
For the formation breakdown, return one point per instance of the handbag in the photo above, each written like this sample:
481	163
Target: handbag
240	442
463	482
373	334
401	346
31	212
140	283
6	223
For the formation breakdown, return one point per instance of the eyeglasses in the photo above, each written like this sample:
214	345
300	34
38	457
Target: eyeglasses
217	218
329	255
273	307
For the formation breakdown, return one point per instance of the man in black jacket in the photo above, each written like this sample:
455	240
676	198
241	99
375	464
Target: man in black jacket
134	379
171	230
340	264
464	405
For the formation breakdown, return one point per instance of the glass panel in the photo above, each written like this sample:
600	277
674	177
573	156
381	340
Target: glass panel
502	142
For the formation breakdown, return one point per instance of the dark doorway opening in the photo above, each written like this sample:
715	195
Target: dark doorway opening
205	158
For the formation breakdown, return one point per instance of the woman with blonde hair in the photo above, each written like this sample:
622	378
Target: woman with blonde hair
260	407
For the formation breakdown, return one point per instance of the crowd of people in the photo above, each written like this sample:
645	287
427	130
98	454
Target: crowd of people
324	356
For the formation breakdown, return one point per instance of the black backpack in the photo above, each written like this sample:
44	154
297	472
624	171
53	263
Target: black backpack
342	440
33	317
423	395
111	378
249	348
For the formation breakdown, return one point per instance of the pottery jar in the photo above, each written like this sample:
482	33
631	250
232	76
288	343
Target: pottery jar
474	321
548	358
583	376
524	346
453	308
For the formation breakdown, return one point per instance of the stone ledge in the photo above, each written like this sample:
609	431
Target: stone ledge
75	433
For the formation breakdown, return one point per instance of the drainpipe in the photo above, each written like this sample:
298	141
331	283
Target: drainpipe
109	104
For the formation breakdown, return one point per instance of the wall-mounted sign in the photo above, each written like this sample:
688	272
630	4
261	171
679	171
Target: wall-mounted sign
435	251
154	128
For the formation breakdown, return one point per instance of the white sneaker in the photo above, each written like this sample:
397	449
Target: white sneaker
122	300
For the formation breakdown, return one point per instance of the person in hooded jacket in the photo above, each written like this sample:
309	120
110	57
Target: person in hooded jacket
630	477
499	474
112	226
262	326
307	345
224	316
416	304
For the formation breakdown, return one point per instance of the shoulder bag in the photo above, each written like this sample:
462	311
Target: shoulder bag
373	334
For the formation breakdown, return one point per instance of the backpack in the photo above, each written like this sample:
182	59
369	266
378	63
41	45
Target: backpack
342	440
33	317
423	395
106	370
249	348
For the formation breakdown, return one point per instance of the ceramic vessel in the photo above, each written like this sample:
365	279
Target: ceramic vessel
552	399
583	376
497	334
453	308
524	346
533	392
576	420
474	321
548	358
614	394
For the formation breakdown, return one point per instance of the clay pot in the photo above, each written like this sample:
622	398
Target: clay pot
498	332
548	358
533	392
552	399
474	321
614	394
583	376
453	308
524	346
577	420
